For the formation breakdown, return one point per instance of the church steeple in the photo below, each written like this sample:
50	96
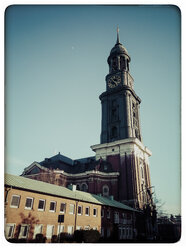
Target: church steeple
117	42
120	104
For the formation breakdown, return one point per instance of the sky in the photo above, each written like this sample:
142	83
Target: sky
55	68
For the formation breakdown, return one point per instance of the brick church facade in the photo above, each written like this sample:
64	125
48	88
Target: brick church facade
120	167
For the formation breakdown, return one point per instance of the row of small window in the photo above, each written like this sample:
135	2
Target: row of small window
124	232
15	201
124	216
24	230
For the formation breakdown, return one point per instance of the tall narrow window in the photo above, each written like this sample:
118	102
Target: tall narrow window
71	209
60	229
102	212
122	63
41	205
38	229
105	190
80	210
29	203
94	212
114	114
77	186
49	231
70	229
84	187
116	217
52	206
9	231
102	232
114	132
62	207
23	231
142	175
87	211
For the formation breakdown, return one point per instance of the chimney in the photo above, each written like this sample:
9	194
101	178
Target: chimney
72	187
111	197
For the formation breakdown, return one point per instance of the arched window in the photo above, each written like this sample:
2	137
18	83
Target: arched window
84	187
105	190
78	186
114	132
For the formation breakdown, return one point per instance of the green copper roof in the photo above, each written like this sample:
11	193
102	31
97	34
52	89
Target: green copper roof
47	188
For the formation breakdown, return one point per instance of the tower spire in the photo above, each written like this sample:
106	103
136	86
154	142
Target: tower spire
117	42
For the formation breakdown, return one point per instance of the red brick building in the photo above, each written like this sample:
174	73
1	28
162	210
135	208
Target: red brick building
89	175
33	207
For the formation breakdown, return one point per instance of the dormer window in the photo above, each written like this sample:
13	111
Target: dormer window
105	190
84	187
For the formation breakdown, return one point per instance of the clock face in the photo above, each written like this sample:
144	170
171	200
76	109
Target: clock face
114	81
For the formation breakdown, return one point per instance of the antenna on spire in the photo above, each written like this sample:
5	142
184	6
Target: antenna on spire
117	35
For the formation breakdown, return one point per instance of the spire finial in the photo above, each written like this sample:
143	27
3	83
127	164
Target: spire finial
117	35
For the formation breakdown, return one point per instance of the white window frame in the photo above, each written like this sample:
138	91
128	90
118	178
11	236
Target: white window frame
71	205
64	207
70	231
36	231
79	228
41	209
95	215
60	229
29	208
116	217
53	210
7	230
127	232
120	233
88	211
80	206
21	236
49	235
13	206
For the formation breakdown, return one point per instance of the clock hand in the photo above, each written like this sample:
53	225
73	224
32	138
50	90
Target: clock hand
113	81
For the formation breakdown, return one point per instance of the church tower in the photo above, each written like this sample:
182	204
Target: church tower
121	140
120	104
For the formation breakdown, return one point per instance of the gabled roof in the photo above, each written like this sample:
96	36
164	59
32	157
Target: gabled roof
58	157
47	188
30	168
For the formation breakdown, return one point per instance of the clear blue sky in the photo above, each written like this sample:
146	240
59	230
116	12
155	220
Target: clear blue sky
56	63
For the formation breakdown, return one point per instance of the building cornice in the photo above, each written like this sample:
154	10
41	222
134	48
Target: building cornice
86	173
122	147
90	173
120	89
